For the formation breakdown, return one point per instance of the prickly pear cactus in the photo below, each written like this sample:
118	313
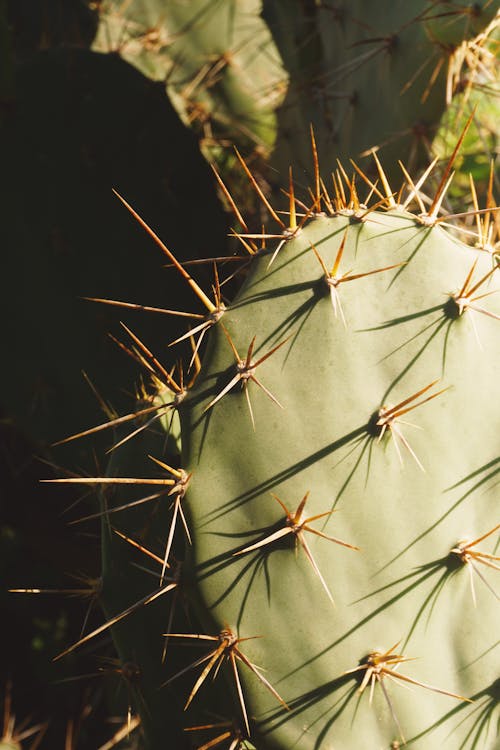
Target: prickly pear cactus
218	60
343	443
368	76
374	75
334	508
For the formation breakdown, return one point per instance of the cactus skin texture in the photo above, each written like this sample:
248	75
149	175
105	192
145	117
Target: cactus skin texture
404	586
218	59
366	75
370	75
346	392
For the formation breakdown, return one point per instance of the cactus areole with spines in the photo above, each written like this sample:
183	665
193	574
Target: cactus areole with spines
337	487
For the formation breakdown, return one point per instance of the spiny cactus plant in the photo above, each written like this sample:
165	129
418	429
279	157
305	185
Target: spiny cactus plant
367	75
218	60
373	75
331	523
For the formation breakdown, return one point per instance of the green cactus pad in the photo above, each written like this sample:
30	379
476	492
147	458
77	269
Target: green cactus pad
405	494
218	59
371	75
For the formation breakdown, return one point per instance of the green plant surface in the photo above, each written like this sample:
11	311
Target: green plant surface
217	59
366	76
478	155
370	76
405	498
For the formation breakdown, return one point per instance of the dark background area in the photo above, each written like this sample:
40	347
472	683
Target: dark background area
75	124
